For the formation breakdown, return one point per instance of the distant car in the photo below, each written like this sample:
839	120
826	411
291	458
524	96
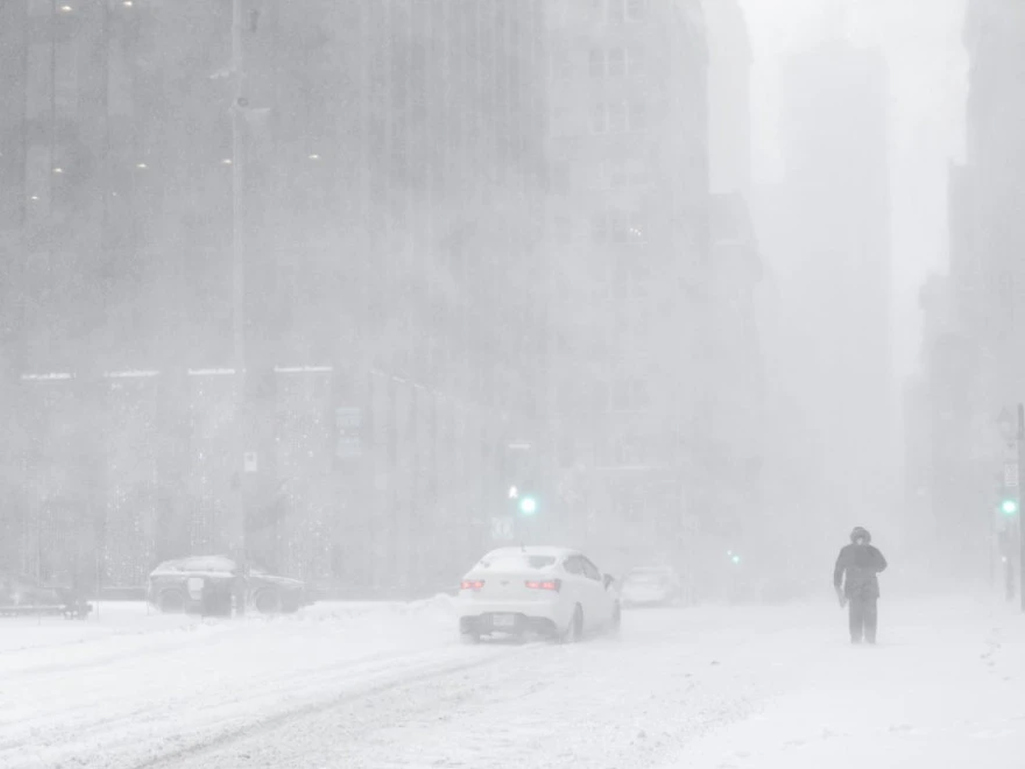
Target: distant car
652	586
20	594
194	585
550	591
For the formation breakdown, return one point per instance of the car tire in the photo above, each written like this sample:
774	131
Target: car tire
290	604
267	602
171	602
470	639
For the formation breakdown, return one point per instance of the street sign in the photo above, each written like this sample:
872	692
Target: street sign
502	527
349	427
1011	475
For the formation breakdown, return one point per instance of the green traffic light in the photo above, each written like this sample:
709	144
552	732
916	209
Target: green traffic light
528	506
1009	507
735	559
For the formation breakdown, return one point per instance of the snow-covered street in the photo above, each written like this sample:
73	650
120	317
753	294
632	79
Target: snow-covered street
379	685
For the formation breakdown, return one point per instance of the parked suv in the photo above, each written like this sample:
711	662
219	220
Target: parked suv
207	585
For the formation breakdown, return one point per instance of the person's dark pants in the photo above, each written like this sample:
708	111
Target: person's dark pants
863	618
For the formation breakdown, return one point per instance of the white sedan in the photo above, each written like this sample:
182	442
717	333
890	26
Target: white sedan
550	591
652	586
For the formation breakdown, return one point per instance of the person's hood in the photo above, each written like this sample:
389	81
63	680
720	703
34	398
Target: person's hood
860	532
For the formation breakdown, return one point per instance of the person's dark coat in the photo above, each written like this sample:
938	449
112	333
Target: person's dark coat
856	570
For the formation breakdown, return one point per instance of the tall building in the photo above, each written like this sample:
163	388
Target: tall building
835	270
736	406
729	97
384	189
629	213
972	368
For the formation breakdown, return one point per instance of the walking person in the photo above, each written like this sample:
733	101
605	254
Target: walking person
857	584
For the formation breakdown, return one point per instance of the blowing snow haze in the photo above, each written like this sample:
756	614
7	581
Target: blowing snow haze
405	383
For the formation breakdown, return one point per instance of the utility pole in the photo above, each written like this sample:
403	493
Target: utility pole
238	304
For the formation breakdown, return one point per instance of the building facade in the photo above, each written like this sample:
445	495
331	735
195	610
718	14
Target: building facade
729	97
629	215
972	368
383	188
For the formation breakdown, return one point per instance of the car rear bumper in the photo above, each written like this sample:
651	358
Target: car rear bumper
515	618
515	624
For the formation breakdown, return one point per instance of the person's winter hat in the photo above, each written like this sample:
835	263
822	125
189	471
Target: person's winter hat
860	532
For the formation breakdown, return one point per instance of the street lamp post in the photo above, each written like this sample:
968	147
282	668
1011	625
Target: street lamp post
238	283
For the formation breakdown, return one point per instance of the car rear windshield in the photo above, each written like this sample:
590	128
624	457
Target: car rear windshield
517	562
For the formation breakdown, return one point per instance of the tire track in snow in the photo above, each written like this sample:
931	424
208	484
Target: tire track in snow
203	722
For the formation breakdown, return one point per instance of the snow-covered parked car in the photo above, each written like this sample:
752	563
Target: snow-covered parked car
652	586
181	585
20	594
555	592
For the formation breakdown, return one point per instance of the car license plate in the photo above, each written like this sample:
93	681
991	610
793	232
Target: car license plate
503	620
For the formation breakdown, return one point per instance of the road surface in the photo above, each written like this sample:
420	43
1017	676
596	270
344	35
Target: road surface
382	686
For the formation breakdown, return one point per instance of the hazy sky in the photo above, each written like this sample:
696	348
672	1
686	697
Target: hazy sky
928	66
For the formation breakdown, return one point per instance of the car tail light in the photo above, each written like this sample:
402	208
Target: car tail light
471	584
547	584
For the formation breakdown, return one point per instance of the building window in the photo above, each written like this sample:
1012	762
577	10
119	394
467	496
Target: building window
617	117
616	11
638	116
630	395
636	10
560	66
635	60
558	177
563	230
617	62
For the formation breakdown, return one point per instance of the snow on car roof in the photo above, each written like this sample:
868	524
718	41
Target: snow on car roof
204	563
552	552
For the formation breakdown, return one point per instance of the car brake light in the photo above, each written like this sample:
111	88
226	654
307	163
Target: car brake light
471	584
548	584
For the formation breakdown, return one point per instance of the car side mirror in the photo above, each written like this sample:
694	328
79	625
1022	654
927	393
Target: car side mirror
608	579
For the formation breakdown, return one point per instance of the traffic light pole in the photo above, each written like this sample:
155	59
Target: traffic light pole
1020	440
